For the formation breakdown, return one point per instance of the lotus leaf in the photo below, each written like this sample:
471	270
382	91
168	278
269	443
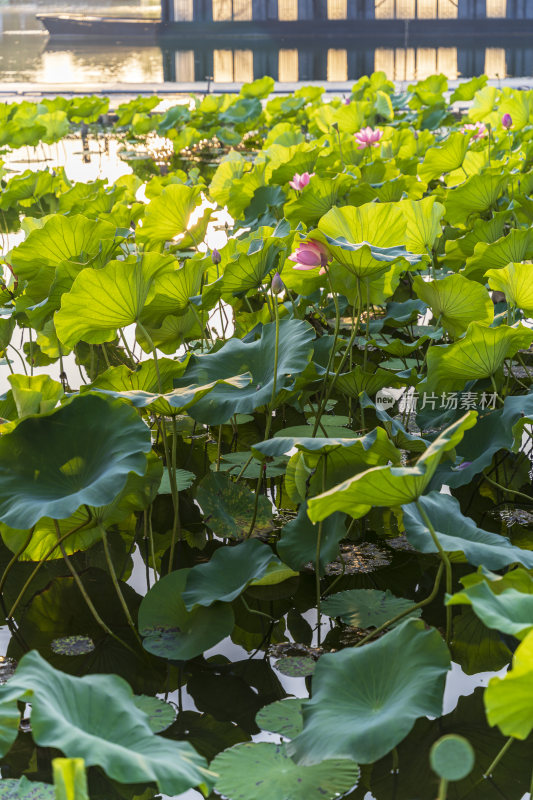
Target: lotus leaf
386	485
456	301
360	708
229	507
95	718
283	717
452	757
509	611
263	771
21	789
516	282
508	701
365	608
81	453
168	215
170	631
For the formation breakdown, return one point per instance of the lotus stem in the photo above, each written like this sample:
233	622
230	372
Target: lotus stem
500	754
506	488
331	352
171	465
116	584
447	566
14	560
97	618
443	789
317	557
431	596
270	410
152	347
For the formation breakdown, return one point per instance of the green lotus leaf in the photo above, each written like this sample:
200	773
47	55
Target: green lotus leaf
81	453
452	757
103	300
22	789
72	645
508	700
387	485
229	507
227	573
369	380
361	708
516	246
317	198
95	718
477	194
170	631
160	715
298	541
501	429
508	611
257	357
259	88
283	717
167	216
172	292
458	533
445	158
456	301
248	270
264	771
296	666
423	223
62	239
366	239
478	355
466	90
366	608
184	480
458	250
516	282
35	394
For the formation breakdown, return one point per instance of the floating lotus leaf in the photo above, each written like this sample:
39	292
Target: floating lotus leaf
256	357
229	507
360	707
23	789
170	631
516	282
452	757
95	718
72	645
456	532
160	715
508	700
283	717
296	666
82	453
227	573
456	301
366	608
479	354
263	771
386	485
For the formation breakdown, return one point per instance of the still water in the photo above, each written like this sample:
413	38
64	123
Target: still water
28	55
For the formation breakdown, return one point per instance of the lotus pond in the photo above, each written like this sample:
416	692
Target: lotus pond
266	506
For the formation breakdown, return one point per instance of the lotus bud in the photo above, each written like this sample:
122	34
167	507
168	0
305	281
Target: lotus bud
216	258
277	284
507	121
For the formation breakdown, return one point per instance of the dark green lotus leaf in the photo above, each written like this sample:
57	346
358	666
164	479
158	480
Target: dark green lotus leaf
372	446
23	789
170	631
229	507
509	611
475	647
160	715
360	707
456	532
72	645
184	480
264	771
389	485
452	757
227	573
257	357
297	545
283	717
81	453
366	608
95	718
296	666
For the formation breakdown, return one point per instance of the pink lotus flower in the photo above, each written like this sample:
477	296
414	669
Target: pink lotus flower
480	131
300	181
368	137
310	255
507	121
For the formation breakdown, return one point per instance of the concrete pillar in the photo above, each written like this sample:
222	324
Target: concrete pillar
167	10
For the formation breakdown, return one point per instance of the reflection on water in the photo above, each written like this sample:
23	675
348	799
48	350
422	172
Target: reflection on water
28	55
